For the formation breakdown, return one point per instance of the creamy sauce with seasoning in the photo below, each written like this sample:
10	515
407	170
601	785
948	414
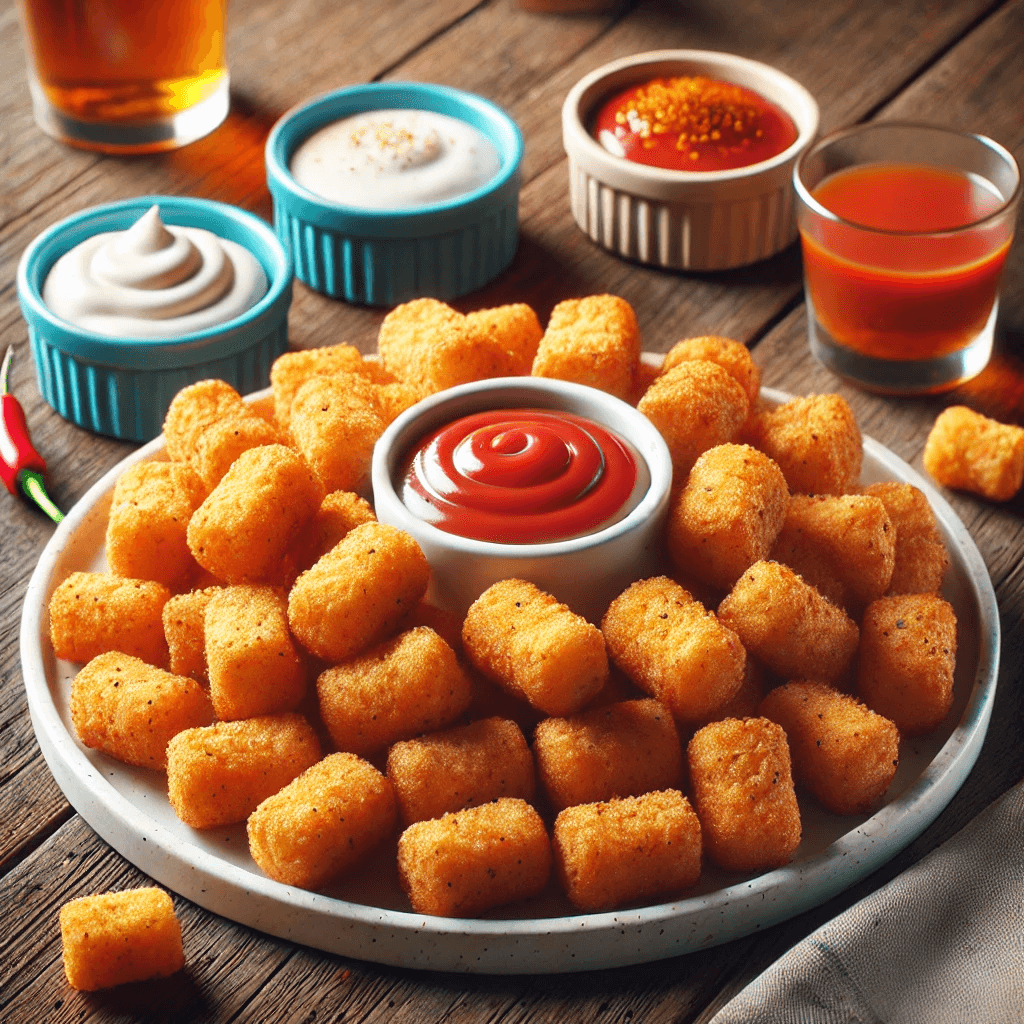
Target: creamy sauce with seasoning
154	281
392	159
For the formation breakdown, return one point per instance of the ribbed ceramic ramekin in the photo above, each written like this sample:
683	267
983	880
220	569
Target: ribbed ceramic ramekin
122	386
384	257
685	220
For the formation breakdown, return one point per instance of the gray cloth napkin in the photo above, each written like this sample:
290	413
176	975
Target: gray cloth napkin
943	943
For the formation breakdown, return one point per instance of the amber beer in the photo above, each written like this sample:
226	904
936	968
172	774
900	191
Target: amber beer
127	75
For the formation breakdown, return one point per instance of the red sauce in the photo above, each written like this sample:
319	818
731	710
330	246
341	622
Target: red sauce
693	124
904	296
519	476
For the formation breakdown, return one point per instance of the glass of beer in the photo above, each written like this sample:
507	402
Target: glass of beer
124	76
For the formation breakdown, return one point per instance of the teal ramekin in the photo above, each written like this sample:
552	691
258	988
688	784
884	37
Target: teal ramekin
122	387
384	257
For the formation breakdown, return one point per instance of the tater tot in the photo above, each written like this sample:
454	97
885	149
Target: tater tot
695	406
217	447
92	613
117	937
323	822
921	558
242	531
340	512
971	452
470	861
461	767
788	625
815	440
219	774
593	341
147	526
842	751
514	329
184	619
907	659
673	648
358	592
619	750
732	356
535	648
405	686
742	788
252	662
192	410
843	545
131	710
727	515
622	851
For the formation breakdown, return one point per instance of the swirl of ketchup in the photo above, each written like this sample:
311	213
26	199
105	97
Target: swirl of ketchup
520	476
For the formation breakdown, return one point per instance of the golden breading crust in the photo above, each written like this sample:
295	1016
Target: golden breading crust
513	329
732	356
184	619
193	409
220	443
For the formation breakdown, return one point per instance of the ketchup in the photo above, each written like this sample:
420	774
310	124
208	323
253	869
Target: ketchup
520	476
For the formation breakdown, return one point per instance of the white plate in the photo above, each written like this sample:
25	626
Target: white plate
368	918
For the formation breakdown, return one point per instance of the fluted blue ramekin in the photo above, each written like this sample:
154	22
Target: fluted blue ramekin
384	257
122	386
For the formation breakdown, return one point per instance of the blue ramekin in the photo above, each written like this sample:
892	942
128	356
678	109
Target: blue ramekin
122	386
384	257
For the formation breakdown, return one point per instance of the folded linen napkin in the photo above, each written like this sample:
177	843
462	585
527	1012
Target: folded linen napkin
942	943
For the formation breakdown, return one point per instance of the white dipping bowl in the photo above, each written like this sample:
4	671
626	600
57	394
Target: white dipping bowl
584	572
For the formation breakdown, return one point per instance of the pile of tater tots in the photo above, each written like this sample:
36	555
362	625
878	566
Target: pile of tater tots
266	643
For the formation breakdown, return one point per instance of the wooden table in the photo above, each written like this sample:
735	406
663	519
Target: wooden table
960	64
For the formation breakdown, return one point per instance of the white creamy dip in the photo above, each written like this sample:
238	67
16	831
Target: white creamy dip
390	159
154	281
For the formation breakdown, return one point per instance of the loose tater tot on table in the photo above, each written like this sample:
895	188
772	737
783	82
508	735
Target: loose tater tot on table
673	648
193	409
622	851
461	767
468	862
401	688
971	452
118	937
131	710
322	823
907	660
732	356
535	648
219	774
358	592
620	750
593	341
92	613
184	618
842	751
742	788
727	515
785	623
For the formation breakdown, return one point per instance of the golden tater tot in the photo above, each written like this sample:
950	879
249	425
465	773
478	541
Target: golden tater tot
470	861
788	625
619	750
252	663
732	356
815	441
117	937
339	514
907	659
92	613
514	329
842	751
358	592
219	774
695	406
971	452
405	686
921	559
131	710
622	851
184	619
323	822
193	409
727	515
673	648
461	767
535	648
242	531
593	341
147	526
742	787
217	447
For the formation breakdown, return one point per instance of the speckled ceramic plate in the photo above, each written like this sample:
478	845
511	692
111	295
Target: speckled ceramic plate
367	916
